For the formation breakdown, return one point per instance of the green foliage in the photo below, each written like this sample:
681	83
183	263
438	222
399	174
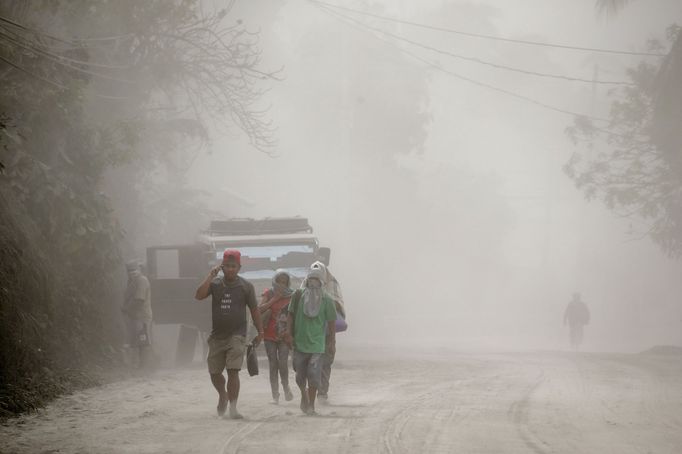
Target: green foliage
46	323
611	7
90	86
635	166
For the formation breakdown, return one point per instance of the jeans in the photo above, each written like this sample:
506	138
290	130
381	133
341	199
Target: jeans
308	367
327	361
278	355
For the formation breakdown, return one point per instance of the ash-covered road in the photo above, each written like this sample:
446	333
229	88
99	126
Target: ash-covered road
472	403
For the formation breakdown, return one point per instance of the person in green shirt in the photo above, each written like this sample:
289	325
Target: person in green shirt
310	331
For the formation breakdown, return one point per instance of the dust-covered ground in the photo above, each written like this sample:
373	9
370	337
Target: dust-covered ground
541	402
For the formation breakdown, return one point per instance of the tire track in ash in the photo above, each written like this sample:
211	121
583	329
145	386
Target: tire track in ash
648	390
518	413
593	378
234	441
347	427
339	424
655	394
392	435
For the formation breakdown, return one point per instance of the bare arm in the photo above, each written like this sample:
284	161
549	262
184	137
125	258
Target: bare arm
263	301
204	289
255	316
266	303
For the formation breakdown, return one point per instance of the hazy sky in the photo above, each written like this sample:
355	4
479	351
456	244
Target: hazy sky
445	203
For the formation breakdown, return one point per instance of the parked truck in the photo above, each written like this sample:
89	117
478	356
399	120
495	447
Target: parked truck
175	271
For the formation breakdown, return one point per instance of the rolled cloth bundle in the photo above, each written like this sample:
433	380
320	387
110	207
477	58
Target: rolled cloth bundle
331	287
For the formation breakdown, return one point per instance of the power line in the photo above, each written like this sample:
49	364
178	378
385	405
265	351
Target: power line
48	81
17	37
358	25
438	67
488	63
491	37
75	43
35	32
64	61
56	84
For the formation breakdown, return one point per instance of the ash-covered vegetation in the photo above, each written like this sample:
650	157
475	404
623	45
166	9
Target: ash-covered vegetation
98	94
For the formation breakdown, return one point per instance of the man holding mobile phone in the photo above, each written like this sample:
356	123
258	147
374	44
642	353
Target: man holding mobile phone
231	295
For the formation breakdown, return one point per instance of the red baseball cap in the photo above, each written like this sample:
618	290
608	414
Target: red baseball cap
235	254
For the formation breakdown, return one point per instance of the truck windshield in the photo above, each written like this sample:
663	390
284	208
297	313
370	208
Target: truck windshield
273	252
267	258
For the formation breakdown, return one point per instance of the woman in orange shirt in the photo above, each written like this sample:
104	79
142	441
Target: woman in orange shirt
275	302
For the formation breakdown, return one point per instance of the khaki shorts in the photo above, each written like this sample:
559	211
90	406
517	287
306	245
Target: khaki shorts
225	353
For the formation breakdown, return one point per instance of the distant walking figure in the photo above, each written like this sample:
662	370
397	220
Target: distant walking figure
577	316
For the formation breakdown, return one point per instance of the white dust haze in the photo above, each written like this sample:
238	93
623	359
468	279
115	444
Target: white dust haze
450	219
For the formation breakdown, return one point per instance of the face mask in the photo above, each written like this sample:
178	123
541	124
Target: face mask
314	283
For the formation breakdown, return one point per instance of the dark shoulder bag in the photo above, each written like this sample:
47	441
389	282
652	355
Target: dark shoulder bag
251	360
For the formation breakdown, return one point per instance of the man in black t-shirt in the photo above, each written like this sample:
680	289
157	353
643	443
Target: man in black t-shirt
231	295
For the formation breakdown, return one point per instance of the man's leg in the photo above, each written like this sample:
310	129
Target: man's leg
216	365
273	362
283	366
301	368
579	336
234	359
574	337
129	346
145	344
312	392
327	361
314	374
219	384
233	392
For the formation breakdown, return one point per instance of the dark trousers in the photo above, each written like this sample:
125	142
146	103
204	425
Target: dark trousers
278	356
327	361
576	335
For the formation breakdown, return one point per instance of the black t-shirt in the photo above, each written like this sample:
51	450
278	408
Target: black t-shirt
229	302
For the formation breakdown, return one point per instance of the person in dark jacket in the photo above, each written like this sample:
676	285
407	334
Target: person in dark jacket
576	316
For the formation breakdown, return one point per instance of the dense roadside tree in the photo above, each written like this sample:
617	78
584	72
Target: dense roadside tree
635	163
610	7
89	86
